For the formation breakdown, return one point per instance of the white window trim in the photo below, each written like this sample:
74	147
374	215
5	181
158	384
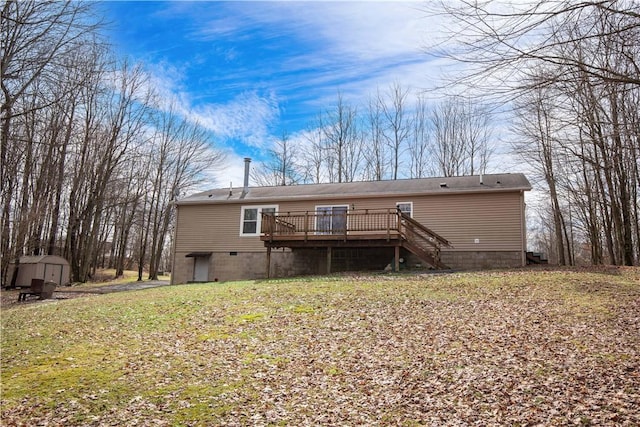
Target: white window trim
258	219
333	206
406	203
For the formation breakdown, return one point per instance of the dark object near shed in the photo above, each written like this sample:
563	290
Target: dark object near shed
39	288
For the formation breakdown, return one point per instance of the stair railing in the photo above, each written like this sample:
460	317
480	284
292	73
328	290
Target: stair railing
421	236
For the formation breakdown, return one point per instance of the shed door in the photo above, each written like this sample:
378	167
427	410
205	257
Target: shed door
201	269
53	273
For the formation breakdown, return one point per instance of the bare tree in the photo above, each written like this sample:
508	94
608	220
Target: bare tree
593	137
419	144
180	153
538	127
79	177
313	156
461	133
135	170
374	149
116	108
37	39
341	141
397	123
281	166
504	43
606	148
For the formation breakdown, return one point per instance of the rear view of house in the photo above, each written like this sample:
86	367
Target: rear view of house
258	232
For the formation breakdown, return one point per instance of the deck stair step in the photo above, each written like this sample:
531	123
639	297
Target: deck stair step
429	257
536	258
422	241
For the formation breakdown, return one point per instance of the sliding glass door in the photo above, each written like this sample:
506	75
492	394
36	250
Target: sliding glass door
331	219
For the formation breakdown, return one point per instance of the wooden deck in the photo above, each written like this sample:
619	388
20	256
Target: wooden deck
352	228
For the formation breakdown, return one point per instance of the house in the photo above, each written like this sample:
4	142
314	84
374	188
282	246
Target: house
258	232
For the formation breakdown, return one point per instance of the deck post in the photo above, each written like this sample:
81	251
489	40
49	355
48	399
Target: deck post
396	259
388	225
268	261
346	221
306	225
328	259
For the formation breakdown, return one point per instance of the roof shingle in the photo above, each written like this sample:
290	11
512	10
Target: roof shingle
422	186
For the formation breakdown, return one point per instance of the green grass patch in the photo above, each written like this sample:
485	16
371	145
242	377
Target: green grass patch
334	350
251	317
302	309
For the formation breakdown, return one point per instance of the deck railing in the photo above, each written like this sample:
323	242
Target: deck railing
416	232
278	228
280	225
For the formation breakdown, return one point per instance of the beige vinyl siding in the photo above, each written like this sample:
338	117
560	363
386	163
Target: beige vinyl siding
495	219
213	227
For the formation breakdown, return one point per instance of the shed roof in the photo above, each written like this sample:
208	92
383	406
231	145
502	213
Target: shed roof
49	259
422	186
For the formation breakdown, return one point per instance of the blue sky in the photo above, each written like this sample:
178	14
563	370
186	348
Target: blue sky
249	71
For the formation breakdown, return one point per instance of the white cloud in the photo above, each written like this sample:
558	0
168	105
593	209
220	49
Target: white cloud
246	117
353	47
370	31
232	174
366	30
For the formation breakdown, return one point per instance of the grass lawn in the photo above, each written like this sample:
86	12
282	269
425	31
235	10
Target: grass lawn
521	347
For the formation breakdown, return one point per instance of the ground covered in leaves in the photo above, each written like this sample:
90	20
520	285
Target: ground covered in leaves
522	347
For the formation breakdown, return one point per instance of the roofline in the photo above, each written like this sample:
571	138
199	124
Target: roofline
351	196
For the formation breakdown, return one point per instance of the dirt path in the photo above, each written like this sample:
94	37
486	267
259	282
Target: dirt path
122	287
9	298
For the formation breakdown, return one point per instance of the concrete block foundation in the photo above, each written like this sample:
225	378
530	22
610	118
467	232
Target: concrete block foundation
226	266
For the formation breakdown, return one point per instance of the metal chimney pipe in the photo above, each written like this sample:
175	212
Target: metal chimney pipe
247	162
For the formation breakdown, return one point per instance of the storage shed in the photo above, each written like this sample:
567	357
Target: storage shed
50	268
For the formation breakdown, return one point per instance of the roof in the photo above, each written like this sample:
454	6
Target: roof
422	186
197	254
48	259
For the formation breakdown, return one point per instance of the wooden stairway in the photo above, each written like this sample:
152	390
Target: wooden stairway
422	241
536	258
358	228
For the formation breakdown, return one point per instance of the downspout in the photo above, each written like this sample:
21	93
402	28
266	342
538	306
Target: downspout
173	249
523	227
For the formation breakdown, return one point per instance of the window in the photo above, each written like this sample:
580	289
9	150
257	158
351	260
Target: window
251	217
406	208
